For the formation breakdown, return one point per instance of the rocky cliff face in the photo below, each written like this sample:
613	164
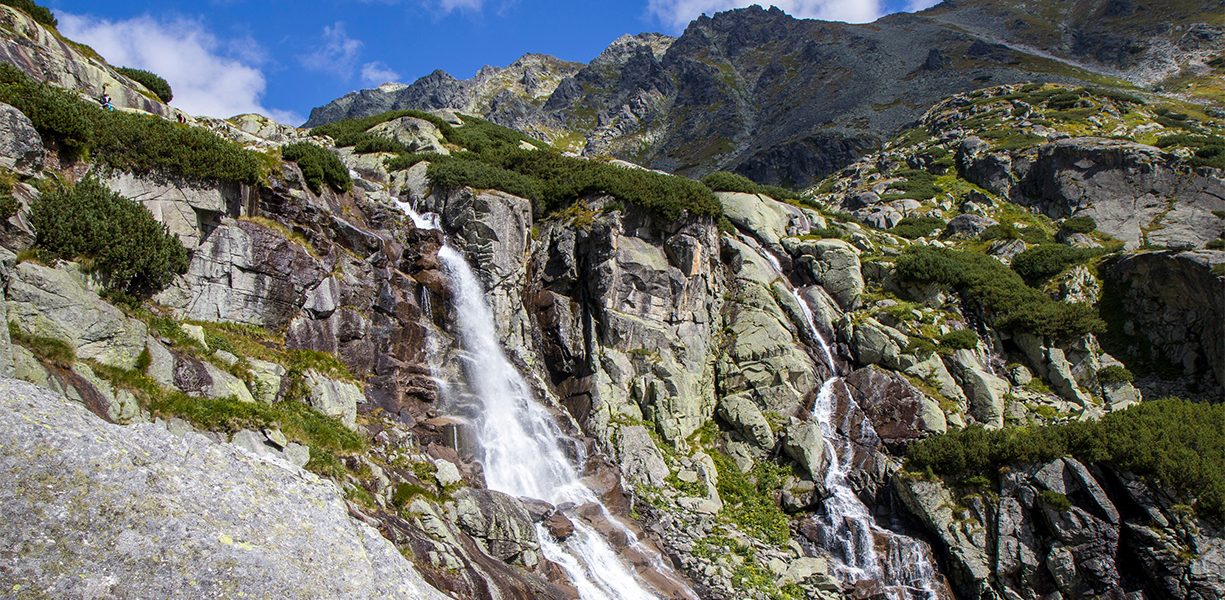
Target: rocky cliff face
739	398
736	92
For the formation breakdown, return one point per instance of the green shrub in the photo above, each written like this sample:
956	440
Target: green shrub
1056	500
917	227
133	249
375	144
919	185
457	173
921	347
1011	139
1064	101
1079	225
964	339
1116	96
1041	262
153	82
125	141
1115	374
319	166
998	291
1009	231
722	181
53	111
555	181
1209	149
404	161
1179	443
1213	245
40	14
148	144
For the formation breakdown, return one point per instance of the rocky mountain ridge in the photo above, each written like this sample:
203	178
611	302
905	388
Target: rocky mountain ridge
734	92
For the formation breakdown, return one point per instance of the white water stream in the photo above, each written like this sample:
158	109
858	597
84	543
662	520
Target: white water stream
850	533
522	452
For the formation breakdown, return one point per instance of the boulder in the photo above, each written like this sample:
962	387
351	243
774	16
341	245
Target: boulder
192	376
899	412
1063	380
173	515
964	545
834	264
968	226
418	134
989	170
1126	187
806	445
641	462
247	273
877	344
187	208
334	398
499	523
764	218
744	416
21	147
984	391
51	303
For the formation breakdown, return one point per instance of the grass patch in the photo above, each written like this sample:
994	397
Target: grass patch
747	501
51	350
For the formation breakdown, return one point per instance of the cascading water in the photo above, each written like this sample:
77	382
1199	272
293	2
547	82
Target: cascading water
850	533
523	454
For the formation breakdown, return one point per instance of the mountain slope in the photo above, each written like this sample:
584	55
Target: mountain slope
789	101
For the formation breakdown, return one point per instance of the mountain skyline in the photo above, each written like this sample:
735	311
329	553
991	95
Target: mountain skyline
228	57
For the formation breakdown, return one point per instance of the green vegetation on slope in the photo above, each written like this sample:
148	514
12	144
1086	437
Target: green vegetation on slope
723	181
125	141
1047	260
319	166
155	83
41	14
493	158
998	291
1179	443
136	252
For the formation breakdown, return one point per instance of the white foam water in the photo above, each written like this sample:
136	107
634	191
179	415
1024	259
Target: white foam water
523	452
849	532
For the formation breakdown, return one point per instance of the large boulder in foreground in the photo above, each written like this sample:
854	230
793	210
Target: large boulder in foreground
95	510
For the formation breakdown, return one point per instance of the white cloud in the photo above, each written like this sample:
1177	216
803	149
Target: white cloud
205	80
375	73
918	5
676	14
337	54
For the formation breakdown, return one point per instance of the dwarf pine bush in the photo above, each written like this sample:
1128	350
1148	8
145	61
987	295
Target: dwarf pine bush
319	166
121	237
156	84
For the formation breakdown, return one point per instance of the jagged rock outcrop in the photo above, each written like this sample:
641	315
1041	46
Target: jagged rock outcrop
187	515
1022	541
46	56
1176	301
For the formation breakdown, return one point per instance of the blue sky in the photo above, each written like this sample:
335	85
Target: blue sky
284	57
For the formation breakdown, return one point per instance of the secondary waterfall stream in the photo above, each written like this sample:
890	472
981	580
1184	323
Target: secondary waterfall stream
850	533
523	452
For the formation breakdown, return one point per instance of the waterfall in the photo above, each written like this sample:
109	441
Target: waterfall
849	532
522	454
522	451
